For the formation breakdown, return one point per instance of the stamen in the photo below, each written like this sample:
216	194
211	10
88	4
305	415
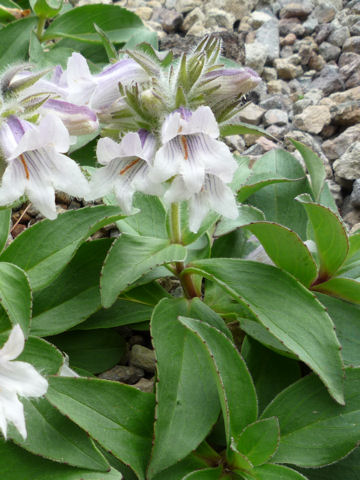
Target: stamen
22	159
131	164
185	146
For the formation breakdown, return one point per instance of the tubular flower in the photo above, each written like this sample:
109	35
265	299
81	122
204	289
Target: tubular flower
34	164
17	378
99	91
191	151
232	82
79	120
126	169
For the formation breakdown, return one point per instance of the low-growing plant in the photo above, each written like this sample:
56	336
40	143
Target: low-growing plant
257	359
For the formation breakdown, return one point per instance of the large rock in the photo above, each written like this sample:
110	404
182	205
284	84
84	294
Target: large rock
329	80
255	56
268	34
313	119
251	114
336	147
347	167
286	70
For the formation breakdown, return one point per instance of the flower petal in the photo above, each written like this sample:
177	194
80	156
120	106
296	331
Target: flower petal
107	150
66	174
198	209
167	161
13	411
103	179
171	126
220	197
13	182
79	120
81	84
50	132
131	145
214	155
14	344
22	378
177	191
202	121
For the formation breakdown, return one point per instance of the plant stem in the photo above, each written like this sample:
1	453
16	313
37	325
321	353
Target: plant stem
175	236
40	27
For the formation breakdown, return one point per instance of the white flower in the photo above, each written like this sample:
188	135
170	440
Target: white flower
126	168
35	166
191	151
17	378
99	91
214	195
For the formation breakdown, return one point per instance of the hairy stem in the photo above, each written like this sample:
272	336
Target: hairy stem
186	279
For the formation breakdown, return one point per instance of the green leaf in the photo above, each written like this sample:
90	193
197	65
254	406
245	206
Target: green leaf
346	318
78	24
286	250
16	463
271	372
46	8
206	474
74	295
108	45
129	258
186	392
344	288
14	41
150	221
231	245
95	350
315	167
278	201
276	472
56	242
182	468
287	309
347	469
42	355
257	331
235	387
315	431
259	441
53	436
247	214
5	220
101	407
241	128
135	306
15	295
329	234
48	58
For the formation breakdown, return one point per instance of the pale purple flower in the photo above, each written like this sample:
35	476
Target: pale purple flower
99	91
17	379
78	119
190	150
35	164
232	82
126	168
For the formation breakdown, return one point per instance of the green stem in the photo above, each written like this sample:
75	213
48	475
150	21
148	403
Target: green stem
40	28
175	237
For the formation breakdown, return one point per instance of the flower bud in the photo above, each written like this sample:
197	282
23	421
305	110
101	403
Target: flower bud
232	82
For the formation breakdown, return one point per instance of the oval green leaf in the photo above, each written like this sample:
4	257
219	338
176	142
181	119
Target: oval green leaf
130	257
286	250
284	306
329	235
315	431
101	408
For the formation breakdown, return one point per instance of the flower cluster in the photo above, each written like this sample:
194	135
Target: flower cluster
165	115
